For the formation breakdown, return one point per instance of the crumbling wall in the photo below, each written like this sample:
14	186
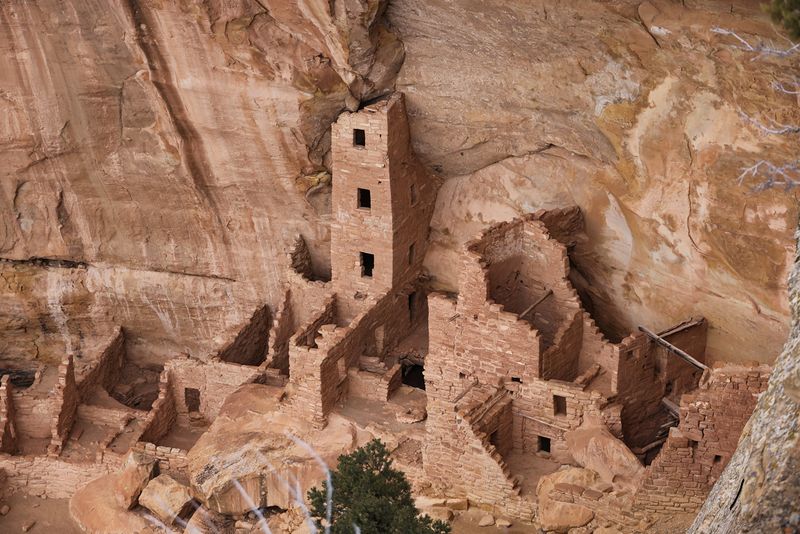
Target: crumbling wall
52	477
696	452
596	349
280	334
678	375
536	414
105	370
300	259
250	345
318	373
65	401
171	460
639	391
32	409
162	414
374	386
213	380
8	430
455	438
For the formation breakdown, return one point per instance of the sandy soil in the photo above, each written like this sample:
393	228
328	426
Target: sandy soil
51	515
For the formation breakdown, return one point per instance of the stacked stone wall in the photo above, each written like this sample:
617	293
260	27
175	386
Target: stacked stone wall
65	401
214	380
695	453
318	375
535	414
250	345
105	370
8	430
171	460
52	477
280	334
374	386
162	414
394	227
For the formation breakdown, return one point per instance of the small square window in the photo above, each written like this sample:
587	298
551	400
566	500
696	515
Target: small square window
559	405
413	192
717	458
516	379
544	444
367	264
364	197
359	137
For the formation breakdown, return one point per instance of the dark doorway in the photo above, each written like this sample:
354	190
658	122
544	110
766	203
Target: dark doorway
414	376
367	264
192	398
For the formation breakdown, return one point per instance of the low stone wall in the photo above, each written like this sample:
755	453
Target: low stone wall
171	460
53	478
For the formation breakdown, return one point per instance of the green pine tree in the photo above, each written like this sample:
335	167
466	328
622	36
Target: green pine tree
786	12
370	493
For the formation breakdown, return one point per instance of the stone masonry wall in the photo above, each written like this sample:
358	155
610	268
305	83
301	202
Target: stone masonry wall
8	430
394	227
318	375
280	333
162	414
65	401
251	343
214	380
104	371
697	451
53	478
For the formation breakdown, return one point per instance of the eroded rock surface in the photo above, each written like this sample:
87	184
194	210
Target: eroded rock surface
175	150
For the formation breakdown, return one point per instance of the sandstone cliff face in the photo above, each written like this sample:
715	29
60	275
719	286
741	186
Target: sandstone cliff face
175	149
168	146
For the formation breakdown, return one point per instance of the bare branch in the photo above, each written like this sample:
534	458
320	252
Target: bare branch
761	49
772	127
770	175
792	88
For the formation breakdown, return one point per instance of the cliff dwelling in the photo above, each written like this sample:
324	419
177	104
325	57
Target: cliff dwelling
575	358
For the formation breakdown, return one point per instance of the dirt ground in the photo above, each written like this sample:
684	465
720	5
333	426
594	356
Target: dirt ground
467	523
51	515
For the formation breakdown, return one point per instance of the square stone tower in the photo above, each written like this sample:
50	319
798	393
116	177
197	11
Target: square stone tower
382	202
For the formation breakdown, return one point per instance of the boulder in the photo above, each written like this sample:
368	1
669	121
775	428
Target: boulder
440	513
503	523
137	470
205	521
168	499
595	448
486	521
561	516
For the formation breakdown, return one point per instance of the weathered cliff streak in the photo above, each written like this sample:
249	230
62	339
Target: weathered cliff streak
168	147
759	491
